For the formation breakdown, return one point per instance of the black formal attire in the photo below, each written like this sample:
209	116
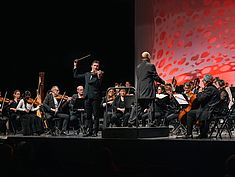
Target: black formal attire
208	99
14	116
48	104
108	110
93	98
120	118
146	92
4	117
77	109
31	123
172	108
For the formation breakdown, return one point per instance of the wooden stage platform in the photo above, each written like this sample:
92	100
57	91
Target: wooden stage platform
75	156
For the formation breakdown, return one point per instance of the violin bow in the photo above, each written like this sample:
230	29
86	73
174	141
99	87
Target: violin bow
60	102
4	98
78	59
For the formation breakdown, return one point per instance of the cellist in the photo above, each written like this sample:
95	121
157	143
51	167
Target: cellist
208	97
191	98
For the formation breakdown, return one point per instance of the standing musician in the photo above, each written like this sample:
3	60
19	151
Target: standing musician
51	109
208	97
93	94
31	123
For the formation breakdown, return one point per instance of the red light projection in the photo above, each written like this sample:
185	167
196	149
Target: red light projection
193	38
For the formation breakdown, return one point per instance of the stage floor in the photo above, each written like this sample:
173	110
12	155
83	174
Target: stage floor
63	156
225	137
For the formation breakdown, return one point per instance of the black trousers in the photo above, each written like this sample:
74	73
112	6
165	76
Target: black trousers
191	120
92	107
64	117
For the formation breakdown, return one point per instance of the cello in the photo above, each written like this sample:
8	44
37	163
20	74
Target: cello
192	97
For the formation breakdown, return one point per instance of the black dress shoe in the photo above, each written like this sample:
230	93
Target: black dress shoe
94	135
88	134
64	133
188	137
202	136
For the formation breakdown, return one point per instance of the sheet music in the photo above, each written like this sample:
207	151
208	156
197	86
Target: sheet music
180	99
160	96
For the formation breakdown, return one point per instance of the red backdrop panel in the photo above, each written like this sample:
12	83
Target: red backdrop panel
192	38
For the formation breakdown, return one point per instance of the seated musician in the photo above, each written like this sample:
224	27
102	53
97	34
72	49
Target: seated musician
121	113
31	123
106	104
192	102
160	106
51	109
76	109
4	117
171	105
224	96
208	98
14	115
130	91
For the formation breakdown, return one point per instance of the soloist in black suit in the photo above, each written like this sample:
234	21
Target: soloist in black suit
93	98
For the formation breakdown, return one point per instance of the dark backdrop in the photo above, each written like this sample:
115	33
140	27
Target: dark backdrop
48	37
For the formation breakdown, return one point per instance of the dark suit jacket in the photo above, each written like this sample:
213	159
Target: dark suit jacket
208	99
146	75
93	88
48	103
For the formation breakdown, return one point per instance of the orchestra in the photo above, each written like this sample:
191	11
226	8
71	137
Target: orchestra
33	116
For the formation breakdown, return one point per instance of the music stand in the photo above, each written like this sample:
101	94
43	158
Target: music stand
180	99
180	128
79	106
129	101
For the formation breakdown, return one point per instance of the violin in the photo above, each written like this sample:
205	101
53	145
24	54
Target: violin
33	101
6	100
64	97
99	73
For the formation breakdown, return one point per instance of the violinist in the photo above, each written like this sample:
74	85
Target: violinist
51	108
4	117
92	94
14	115
171	105
106	104
31	123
